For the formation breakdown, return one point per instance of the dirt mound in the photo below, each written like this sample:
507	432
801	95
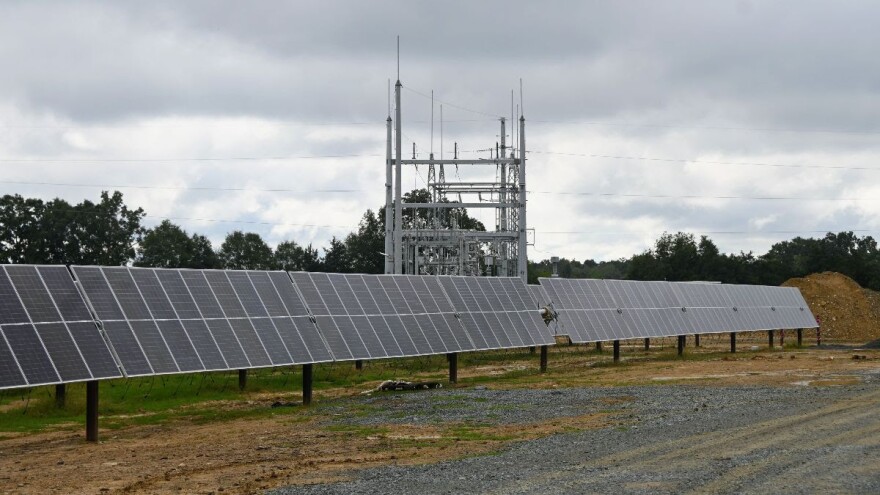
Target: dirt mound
847	311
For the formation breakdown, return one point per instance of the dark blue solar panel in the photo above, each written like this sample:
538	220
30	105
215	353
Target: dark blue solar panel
63	352
30	354
11	309
10	374
33	293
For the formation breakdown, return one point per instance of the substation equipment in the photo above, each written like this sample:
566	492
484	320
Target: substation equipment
432	241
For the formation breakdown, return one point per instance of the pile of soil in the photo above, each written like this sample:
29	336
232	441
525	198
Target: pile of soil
847	311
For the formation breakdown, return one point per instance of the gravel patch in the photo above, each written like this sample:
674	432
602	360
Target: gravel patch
653	424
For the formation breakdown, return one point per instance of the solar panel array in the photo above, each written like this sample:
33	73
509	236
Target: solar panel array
173	321
378	316
496	312
596	310
47	334
124	321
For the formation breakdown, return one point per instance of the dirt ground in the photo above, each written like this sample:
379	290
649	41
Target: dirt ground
299	446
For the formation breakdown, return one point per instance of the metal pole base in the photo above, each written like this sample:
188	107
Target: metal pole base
800	336
616	351
732	342
770	338
681	341
242	379
453	367
60	395
647	344
598	347
359	365
307	384
92	411
697	340
543	359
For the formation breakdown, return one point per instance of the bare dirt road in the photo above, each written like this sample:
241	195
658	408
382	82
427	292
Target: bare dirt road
796	421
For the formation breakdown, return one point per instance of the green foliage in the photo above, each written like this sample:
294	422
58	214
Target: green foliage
364	248
56	232
169	246
336	257
680	257
291	256
246	251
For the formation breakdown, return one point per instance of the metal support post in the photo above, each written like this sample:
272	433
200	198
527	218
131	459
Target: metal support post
398	199
453	367
800	336
242	379
60	395
732	342
616	351
697	340
389	205
598	347
522	256
681	341
647	344
770	338
543	359
531	349
782	337
358	365
92	411
307	384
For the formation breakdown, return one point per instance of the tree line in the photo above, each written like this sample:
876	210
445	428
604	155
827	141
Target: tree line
683	257
108	232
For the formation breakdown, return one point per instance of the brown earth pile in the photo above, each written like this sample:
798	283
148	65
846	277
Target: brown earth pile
847	311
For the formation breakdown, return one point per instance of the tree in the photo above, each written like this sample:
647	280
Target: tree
203	254
292	257
336	258
169	246
56	232
20	227
246	251
365	247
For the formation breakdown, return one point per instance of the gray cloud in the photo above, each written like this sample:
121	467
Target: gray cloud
739	81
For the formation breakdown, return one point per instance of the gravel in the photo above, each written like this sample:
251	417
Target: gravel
731	440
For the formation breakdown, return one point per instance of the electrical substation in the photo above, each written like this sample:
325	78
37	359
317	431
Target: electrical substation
428	238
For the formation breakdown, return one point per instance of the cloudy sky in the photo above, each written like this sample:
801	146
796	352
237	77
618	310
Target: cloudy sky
748	121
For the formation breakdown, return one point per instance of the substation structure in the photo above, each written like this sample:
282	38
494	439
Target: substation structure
431	240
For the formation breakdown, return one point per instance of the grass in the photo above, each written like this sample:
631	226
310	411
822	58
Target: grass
209	397
206	397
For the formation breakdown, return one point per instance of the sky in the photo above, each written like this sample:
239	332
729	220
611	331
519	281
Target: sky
749	122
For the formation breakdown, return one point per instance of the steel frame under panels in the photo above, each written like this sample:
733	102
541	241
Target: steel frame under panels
434	243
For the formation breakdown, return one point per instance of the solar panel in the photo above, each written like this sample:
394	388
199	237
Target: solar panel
173	321
47	334
380	316
496	312
594	310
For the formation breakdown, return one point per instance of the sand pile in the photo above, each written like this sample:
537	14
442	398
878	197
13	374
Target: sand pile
848	312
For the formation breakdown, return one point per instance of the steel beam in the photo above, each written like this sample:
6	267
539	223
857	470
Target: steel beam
92	411
477	161
452	357
543	359
307	384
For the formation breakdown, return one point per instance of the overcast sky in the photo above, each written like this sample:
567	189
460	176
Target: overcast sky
642	116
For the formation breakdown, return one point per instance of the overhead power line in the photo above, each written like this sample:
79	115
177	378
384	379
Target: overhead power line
707	127
706	162
189	159
335	191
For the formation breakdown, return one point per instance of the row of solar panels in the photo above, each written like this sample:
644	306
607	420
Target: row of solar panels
600	310
87	323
